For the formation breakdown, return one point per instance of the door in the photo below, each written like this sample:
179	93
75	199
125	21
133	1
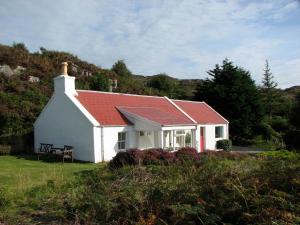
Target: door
202	139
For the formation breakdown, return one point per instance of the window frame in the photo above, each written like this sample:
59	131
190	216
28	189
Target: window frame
219	134
122	140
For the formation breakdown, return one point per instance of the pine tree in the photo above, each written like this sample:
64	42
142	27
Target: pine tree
269	91
232	92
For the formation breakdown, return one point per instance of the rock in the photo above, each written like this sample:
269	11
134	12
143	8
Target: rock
33	79
19	70
6	70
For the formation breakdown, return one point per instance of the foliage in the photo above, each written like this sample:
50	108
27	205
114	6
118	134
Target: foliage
152	156
225	144
283	154
233	93
268	90
100	82
187	153
165	84
121	69
218	190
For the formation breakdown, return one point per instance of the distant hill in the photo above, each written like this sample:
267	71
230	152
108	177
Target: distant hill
292	91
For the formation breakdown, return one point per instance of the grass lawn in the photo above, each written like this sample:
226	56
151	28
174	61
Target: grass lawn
19	173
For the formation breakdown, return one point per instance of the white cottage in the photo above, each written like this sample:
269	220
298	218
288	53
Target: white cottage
100	124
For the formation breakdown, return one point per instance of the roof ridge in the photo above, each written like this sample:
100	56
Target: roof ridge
180	109
118	93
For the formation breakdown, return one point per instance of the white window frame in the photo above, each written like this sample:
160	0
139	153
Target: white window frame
122	141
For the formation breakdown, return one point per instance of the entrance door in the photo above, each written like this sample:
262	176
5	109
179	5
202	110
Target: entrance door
202	140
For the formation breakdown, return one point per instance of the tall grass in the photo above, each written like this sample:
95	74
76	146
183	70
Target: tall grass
218	189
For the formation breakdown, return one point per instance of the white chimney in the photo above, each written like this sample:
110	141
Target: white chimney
64	83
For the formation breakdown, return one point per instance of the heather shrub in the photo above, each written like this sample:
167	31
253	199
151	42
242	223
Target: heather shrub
121	159
187	153
136	155
152	155
168	157
225	144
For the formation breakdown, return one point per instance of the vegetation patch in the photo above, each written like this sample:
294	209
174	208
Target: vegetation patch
217	189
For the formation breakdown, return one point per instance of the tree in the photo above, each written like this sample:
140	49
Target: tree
100	82
121	69
269	92
233	93
164	84
295	117
293	136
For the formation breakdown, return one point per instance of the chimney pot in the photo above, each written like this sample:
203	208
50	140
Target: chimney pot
64	68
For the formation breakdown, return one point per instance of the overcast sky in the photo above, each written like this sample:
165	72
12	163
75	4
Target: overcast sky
183	38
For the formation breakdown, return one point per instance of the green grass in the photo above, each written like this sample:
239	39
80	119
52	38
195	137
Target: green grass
221	188
19	173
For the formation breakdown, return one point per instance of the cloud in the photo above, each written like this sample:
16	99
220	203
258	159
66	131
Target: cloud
181	38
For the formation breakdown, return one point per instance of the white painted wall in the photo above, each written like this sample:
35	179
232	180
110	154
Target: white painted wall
62	123
146	141
210	140
110	137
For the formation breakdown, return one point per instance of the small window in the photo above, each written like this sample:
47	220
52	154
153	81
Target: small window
122	140
142	133
219	131
180	132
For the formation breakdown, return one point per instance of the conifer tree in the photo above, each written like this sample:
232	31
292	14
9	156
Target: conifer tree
269	91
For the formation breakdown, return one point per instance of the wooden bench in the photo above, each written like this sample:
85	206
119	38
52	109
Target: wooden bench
65	153
45	149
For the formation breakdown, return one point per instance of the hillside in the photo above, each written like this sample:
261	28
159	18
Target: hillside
26	84
292	91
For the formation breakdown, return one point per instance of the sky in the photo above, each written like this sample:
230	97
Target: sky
183	38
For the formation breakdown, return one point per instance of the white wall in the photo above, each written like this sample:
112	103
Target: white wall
62	123
209	132
146	141
110	137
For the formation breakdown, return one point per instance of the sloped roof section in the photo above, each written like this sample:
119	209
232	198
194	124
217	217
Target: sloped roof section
103	107
201	112
156	115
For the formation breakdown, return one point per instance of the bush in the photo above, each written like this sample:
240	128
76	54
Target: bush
187	153
168	157
152	156
136	155
225	144
121	159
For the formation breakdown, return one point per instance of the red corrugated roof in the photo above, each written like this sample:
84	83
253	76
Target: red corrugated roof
201	112
103	106
156	115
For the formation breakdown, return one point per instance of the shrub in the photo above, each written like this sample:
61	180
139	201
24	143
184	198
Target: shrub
153	155
121	159
225	144
168	157
136	155
187	153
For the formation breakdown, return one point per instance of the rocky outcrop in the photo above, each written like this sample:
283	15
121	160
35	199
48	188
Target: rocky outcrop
7	71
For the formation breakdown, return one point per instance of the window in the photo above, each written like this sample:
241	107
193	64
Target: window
180	132
122	140
219	131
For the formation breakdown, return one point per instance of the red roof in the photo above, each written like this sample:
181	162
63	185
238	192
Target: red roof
103	107
156	115
201	112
